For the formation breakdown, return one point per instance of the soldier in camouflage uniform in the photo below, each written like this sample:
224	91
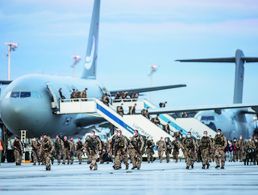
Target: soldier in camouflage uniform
240	145
35	150
138	145
250	152
18	150
220	143
161	148
93	146
205	146
120	151
190	150
150	150
66	154
79	150
72	150
59	148
47	149
168	148
256	150
176	145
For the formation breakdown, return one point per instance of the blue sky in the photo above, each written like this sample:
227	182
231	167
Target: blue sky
134	34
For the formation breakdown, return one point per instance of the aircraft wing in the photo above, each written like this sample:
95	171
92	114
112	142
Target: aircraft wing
201	108
147	89
218	60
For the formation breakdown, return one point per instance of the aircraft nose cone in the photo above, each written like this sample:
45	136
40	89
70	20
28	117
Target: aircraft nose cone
15	115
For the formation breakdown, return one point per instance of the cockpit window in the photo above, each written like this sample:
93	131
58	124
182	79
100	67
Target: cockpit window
25	94
15	94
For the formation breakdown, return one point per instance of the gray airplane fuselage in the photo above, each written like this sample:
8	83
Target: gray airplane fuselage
26	105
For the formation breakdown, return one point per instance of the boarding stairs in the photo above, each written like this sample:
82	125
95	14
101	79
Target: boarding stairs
182	125
127	123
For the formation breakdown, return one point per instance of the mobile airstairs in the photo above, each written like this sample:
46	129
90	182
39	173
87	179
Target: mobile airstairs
128	123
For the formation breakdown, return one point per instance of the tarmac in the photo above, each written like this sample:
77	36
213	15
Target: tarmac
154	178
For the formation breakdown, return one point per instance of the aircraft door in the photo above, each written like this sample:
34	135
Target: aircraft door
54	98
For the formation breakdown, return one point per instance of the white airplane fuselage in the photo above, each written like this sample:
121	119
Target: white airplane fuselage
26	105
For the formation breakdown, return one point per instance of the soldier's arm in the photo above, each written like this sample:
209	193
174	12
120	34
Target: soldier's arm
142	143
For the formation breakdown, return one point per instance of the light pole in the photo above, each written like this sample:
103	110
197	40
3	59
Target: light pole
11	47
76	60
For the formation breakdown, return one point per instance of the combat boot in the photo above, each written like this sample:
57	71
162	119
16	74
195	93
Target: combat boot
134	167
208	165
187	167
127	166
192	166
217	167
203	166
222	167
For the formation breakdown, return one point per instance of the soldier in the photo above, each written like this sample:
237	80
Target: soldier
120	151
47	149
18	150
240	147
59	148
84	95
235	150
66	154
61	94
166	127
156	120
250	151
190	150
205	146
120	110
150	150
72	149
35	151
198	150
79	150
256	150
168	148
220	143
132	109
176	145
138	144
93	146
161	148
105	99
73	94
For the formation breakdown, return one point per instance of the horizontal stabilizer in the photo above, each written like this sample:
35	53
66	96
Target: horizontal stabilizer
218	60
147	89
250	59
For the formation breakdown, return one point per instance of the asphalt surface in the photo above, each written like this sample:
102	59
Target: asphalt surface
153	178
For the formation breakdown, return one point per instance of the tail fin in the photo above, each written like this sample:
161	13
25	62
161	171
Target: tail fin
89	71
239	61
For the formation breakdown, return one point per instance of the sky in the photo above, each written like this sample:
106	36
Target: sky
135	34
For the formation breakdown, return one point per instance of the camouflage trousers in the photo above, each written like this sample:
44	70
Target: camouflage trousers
58	156
175	155
66	156
168	152
190	157
35	156
17	157
93	156
120	155
47	159
205	153
79	156
160	154
219	157
136	159
149	153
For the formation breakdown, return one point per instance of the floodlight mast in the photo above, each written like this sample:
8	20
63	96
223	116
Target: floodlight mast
11	47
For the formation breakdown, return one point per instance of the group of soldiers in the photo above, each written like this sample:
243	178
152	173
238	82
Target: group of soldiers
120	149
